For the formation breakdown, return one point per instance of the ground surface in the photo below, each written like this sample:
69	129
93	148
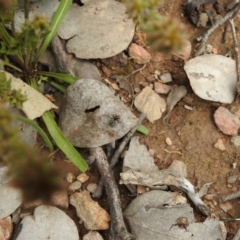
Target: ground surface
193	133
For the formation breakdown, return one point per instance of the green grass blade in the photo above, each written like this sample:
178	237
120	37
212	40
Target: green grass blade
62	76
39	130
63	143
56	21
142	129
58	86
5	36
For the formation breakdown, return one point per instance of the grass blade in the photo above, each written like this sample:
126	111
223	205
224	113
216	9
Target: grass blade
56	21
142	129
63	143
39	130
62	76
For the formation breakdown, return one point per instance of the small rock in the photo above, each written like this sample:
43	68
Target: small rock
176	94
137	157
204	189
91	187
150	103
10	200
75	186
161	88
236	140
6	228
225	206
92	235
220	145
226	121
141	189
178	167
48	222
234	165
188	107
94	216
168	141
214	51
139	54
83	177
166	77
70	177
157	74
60	199
144	84
150	78
209	49
151	151
203	20
232	179
137	89
209	197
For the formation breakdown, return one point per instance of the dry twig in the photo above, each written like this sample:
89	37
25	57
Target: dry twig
113	161
236	53
230	196
61	56
118	228
165	178
230	15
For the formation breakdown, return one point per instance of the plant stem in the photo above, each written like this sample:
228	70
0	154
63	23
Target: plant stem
63	143
26	9
56	21
39	130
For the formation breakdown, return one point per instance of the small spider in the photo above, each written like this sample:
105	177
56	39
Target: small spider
115	120
181	222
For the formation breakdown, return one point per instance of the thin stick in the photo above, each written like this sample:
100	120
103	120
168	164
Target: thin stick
125	141
113	161
236	53
230	196
118	229
218	24
62	58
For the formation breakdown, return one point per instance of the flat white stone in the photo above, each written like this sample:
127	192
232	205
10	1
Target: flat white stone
99	29
213	77
48	223
10	200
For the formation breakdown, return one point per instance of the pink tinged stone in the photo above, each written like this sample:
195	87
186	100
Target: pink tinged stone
138	53
226	121
220	145
5	228
161	88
